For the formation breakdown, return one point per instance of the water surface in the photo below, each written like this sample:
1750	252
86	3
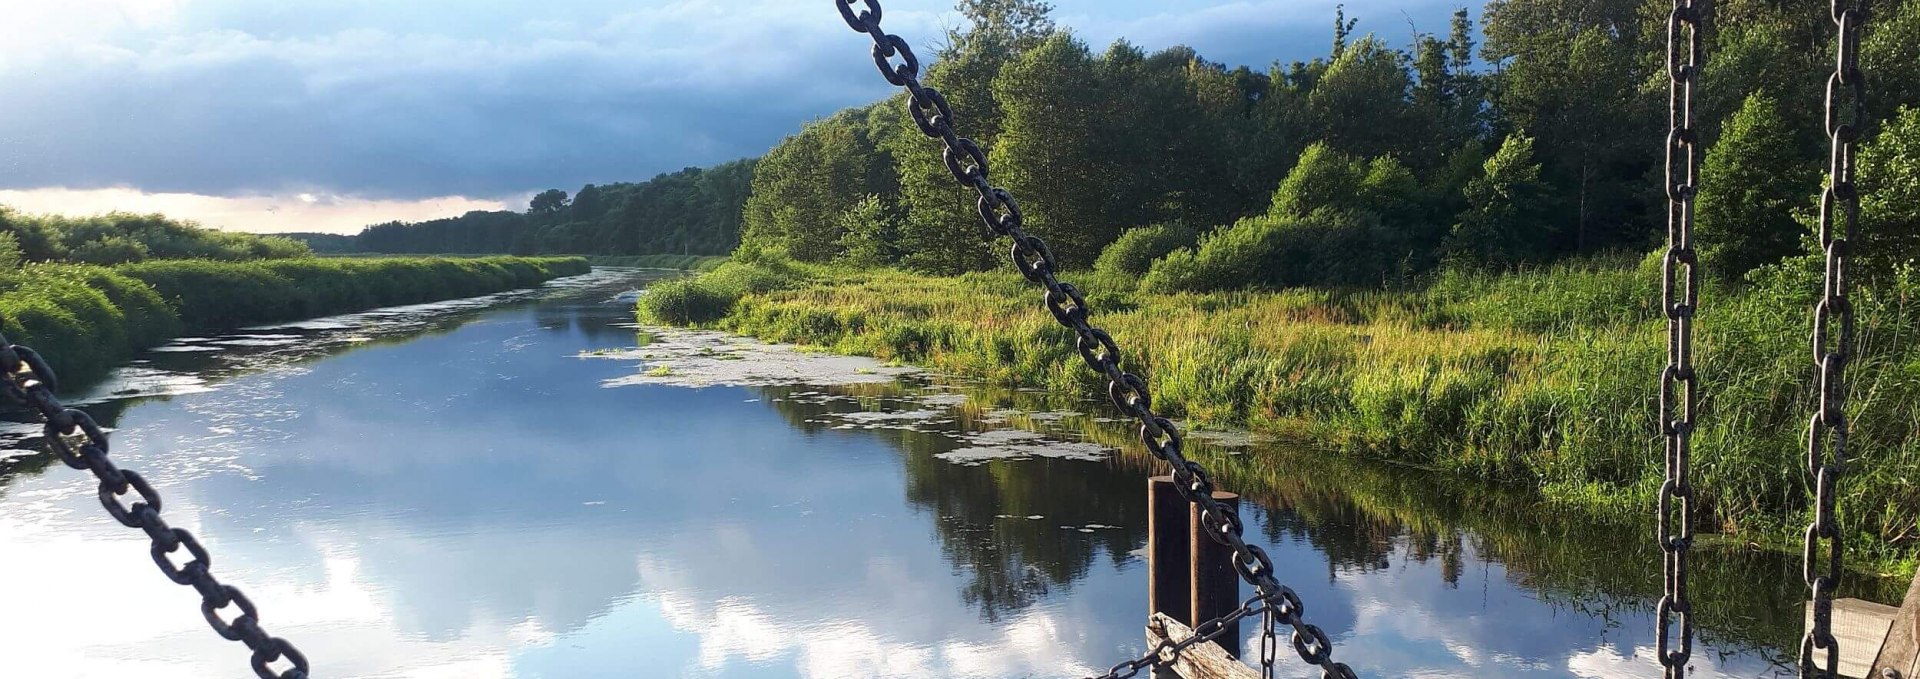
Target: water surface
530	486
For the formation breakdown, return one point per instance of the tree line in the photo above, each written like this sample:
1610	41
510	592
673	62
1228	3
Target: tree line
694	211
1536	138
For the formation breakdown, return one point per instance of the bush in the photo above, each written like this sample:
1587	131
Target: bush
687	301
1327	247
1133	253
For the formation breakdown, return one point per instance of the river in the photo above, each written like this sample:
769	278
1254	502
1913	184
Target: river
530	486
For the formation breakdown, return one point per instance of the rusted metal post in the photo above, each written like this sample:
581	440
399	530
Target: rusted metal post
1900	657
1167	563
1216	587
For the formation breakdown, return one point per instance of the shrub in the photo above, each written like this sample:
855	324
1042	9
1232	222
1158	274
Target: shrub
687	301
1327	247
1133	253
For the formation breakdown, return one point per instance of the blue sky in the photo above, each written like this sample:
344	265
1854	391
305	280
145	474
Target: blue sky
330	114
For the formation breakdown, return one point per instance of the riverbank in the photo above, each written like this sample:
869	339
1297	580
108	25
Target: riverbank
1545	379
682	262
87	319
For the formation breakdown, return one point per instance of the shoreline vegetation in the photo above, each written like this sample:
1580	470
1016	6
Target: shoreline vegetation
89	318
1543	378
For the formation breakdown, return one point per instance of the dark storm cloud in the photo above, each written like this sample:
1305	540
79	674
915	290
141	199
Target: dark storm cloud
436	98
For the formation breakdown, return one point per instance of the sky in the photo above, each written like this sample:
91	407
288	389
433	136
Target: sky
328	115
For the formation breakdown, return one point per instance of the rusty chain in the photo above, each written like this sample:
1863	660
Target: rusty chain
28	380
967	161
1680	298
1828	431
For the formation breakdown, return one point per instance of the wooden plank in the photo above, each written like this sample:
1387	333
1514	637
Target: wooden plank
1216	586
1168	572
1861	626
1901	652
1203	661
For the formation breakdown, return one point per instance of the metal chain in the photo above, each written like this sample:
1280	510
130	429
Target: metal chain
28	380
1828	432
1680	294
968	164
1269	644
1166	653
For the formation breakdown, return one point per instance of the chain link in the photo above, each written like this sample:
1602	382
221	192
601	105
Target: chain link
1680	295
79	442
1827	433
968	163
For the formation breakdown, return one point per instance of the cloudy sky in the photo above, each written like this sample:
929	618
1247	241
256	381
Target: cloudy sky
327	115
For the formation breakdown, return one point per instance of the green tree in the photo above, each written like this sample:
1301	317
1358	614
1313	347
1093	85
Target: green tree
1749	184
804	184
547	203
1010	25
1360	105
868	234
1889	173
10	254
1322	178
1050	151
1570	73
1504	223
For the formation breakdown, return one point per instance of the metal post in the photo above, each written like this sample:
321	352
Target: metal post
1216	586
1167	563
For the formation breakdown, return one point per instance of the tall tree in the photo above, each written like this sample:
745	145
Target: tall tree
1360	105
1890	196
1504	223
1570	72
941	232
1751	181
1051	151
547	203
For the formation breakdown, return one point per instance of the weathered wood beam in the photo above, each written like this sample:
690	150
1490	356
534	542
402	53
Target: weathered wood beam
1860	626
1202	661
1901	652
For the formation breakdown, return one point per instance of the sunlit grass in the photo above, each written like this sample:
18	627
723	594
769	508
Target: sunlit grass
1546	378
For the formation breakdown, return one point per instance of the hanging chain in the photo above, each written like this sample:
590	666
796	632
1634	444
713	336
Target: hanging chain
28	380
1679	383
1269	644
968	164
1828	431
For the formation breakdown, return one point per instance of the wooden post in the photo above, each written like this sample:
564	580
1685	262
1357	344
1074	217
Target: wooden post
1900	656
1167	563
1216	586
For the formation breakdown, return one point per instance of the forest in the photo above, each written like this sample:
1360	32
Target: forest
691	212
1531	138
1535	139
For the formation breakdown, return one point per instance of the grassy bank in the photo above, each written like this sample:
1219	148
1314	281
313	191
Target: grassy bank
1545	379
682	262
87	319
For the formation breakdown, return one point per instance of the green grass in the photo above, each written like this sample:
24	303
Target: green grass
1544	379
682	262
86	319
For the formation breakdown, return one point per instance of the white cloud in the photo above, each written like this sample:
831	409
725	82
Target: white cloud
278	213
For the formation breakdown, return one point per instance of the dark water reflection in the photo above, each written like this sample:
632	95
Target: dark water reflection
459	493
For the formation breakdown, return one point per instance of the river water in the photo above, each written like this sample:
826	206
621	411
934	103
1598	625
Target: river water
530	486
